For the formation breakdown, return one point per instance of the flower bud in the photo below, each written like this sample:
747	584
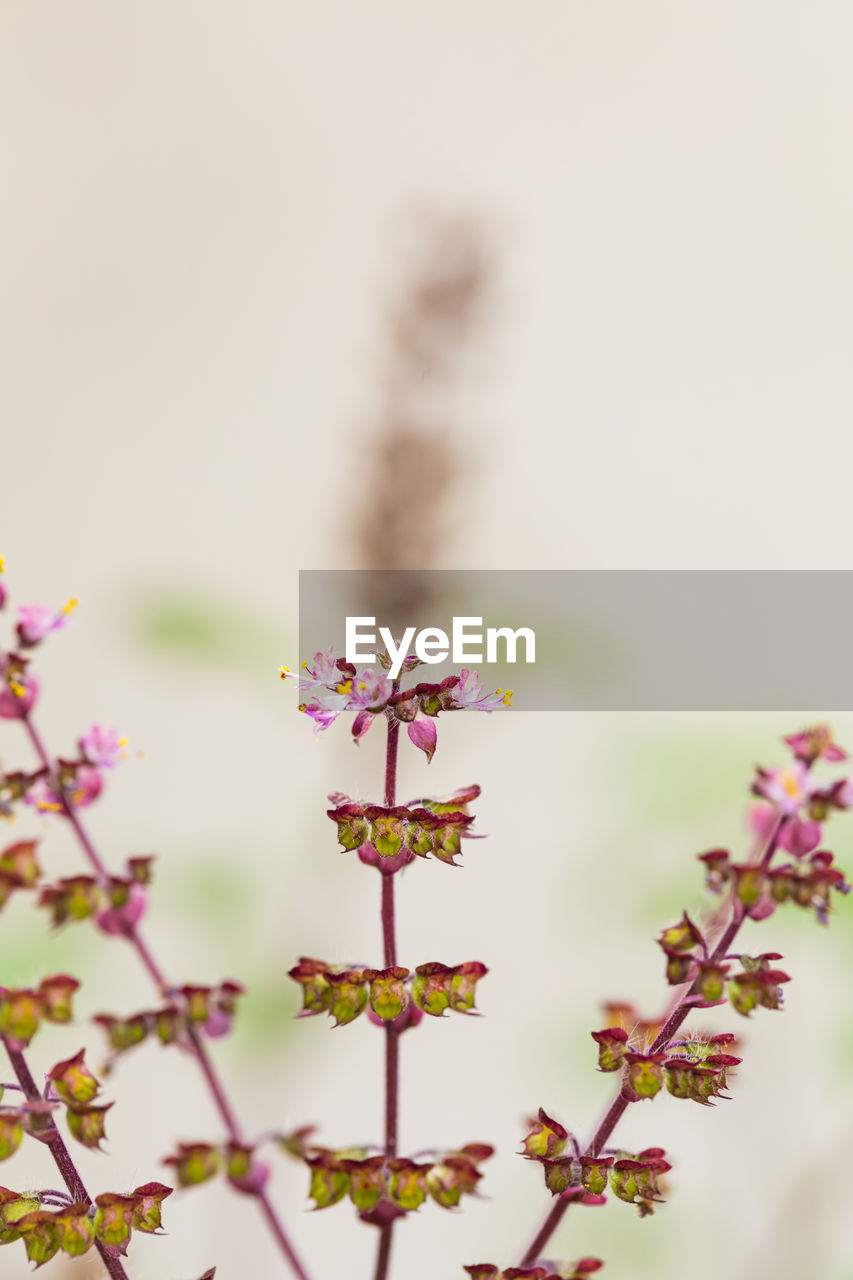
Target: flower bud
55	993
139	868
558	1173
367	1181
113	1220
72	898
711	981
316	991
546	1138
681	937
594	1173
21	1012
194	1163
124	1033
329	1180
13	1207
149	1199
422	734
634	1179
352	827
41	1235
88	1124
612	1046
76	1231
73	1081
407	1183
643	1076
717	868
388	996
759	987
451	1178
431	988
244	1171
680	966
197	1002
170	1023
348	995
463	982
11	1133
128	900
19	862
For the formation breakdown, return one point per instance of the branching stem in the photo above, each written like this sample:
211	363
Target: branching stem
667	1033
62	1156
133	936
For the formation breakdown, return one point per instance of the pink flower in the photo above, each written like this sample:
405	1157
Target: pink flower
324	711
469	693
336	691
788	788
370	690
800	836
337	686
103	747
120	920
761	819
422	733
35	621
18	690
218	1024
81	789
815	744
254	1180
324	672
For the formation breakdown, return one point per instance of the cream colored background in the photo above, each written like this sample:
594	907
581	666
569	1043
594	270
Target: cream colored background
198	234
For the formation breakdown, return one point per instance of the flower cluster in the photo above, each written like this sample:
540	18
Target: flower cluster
197	1162
73	1084
116	902
390	838
23	1009
335	686
72	784
51	1222
18	688
344	993
73	1228
646	1053
585	1177
211	1009
691	1068
808	882
377	1184
580	1270
688	961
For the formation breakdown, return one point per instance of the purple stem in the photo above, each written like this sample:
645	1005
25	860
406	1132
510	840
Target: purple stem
214	1084
61	1155
392	1039
666	1034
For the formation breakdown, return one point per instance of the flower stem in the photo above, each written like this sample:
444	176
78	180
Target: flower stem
62	1156
133	936
392	1038
666	1034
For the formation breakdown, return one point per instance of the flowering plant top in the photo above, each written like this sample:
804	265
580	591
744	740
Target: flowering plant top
335	686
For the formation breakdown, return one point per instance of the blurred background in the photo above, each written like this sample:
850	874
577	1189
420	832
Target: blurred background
379	285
